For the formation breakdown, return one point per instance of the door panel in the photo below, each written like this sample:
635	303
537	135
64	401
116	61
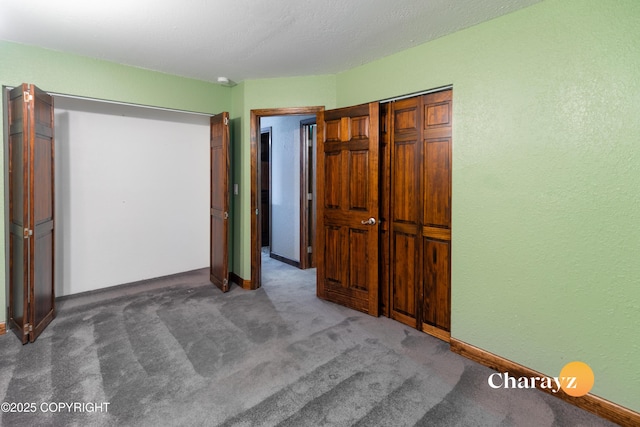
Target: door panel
405	281
31	207
348	196
436	220
219	225
405	178
358	181
18	213
405	212
437	179
437	292
42	212
43	208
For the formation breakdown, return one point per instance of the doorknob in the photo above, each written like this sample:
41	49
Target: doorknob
370	221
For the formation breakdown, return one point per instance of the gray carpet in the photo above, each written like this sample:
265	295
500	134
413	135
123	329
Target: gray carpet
176	351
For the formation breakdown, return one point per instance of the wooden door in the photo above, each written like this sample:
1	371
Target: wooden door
347	190
219	226
405	244
436	214
31	211
420	212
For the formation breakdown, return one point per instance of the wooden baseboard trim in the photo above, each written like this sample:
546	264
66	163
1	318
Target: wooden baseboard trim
3	328
244	284
594	404
436	332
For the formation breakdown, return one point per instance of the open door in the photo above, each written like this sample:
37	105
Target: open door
31	211
347	190
219	226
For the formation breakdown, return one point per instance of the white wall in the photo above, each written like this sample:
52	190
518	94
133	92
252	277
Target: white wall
285	184
132	194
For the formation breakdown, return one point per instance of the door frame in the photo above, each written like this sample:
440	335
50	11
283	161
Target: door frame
256	238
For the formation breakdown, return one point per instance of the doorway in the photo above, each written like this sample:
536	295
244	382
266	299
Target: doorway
301	244
285	195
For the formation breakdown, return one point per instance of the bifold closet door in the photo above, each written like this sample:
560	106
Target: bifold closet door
420	212
219	214
31	211
406	206
436	214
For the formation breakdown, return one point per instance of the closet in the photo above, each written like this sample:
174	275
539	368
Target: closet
49	243
384	210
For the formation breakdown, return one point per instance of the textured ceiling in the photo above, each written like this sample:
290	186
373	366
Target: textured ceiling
241	39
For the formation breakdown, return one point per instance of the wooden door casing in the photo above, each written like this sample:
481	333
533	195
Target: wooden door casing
31	211
347	190
219	214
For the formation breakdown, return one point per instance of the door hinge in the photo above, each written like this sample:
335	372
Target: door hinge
226	215
226	121
27	96
309	196
27	328
27	233
256	211
309	249
225	282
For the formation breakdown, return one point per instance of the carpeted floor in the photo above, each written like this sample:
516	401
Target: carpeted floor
177	351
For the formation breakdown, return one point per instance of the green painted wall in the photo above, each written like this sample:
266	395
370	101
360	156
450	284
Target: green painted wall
76	75
259	94
546	182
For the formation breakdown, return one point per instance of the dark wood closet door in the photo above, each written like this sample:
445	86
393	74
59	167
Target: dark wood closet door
219	225
348	207
405	246
31	211
436	214
420	213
